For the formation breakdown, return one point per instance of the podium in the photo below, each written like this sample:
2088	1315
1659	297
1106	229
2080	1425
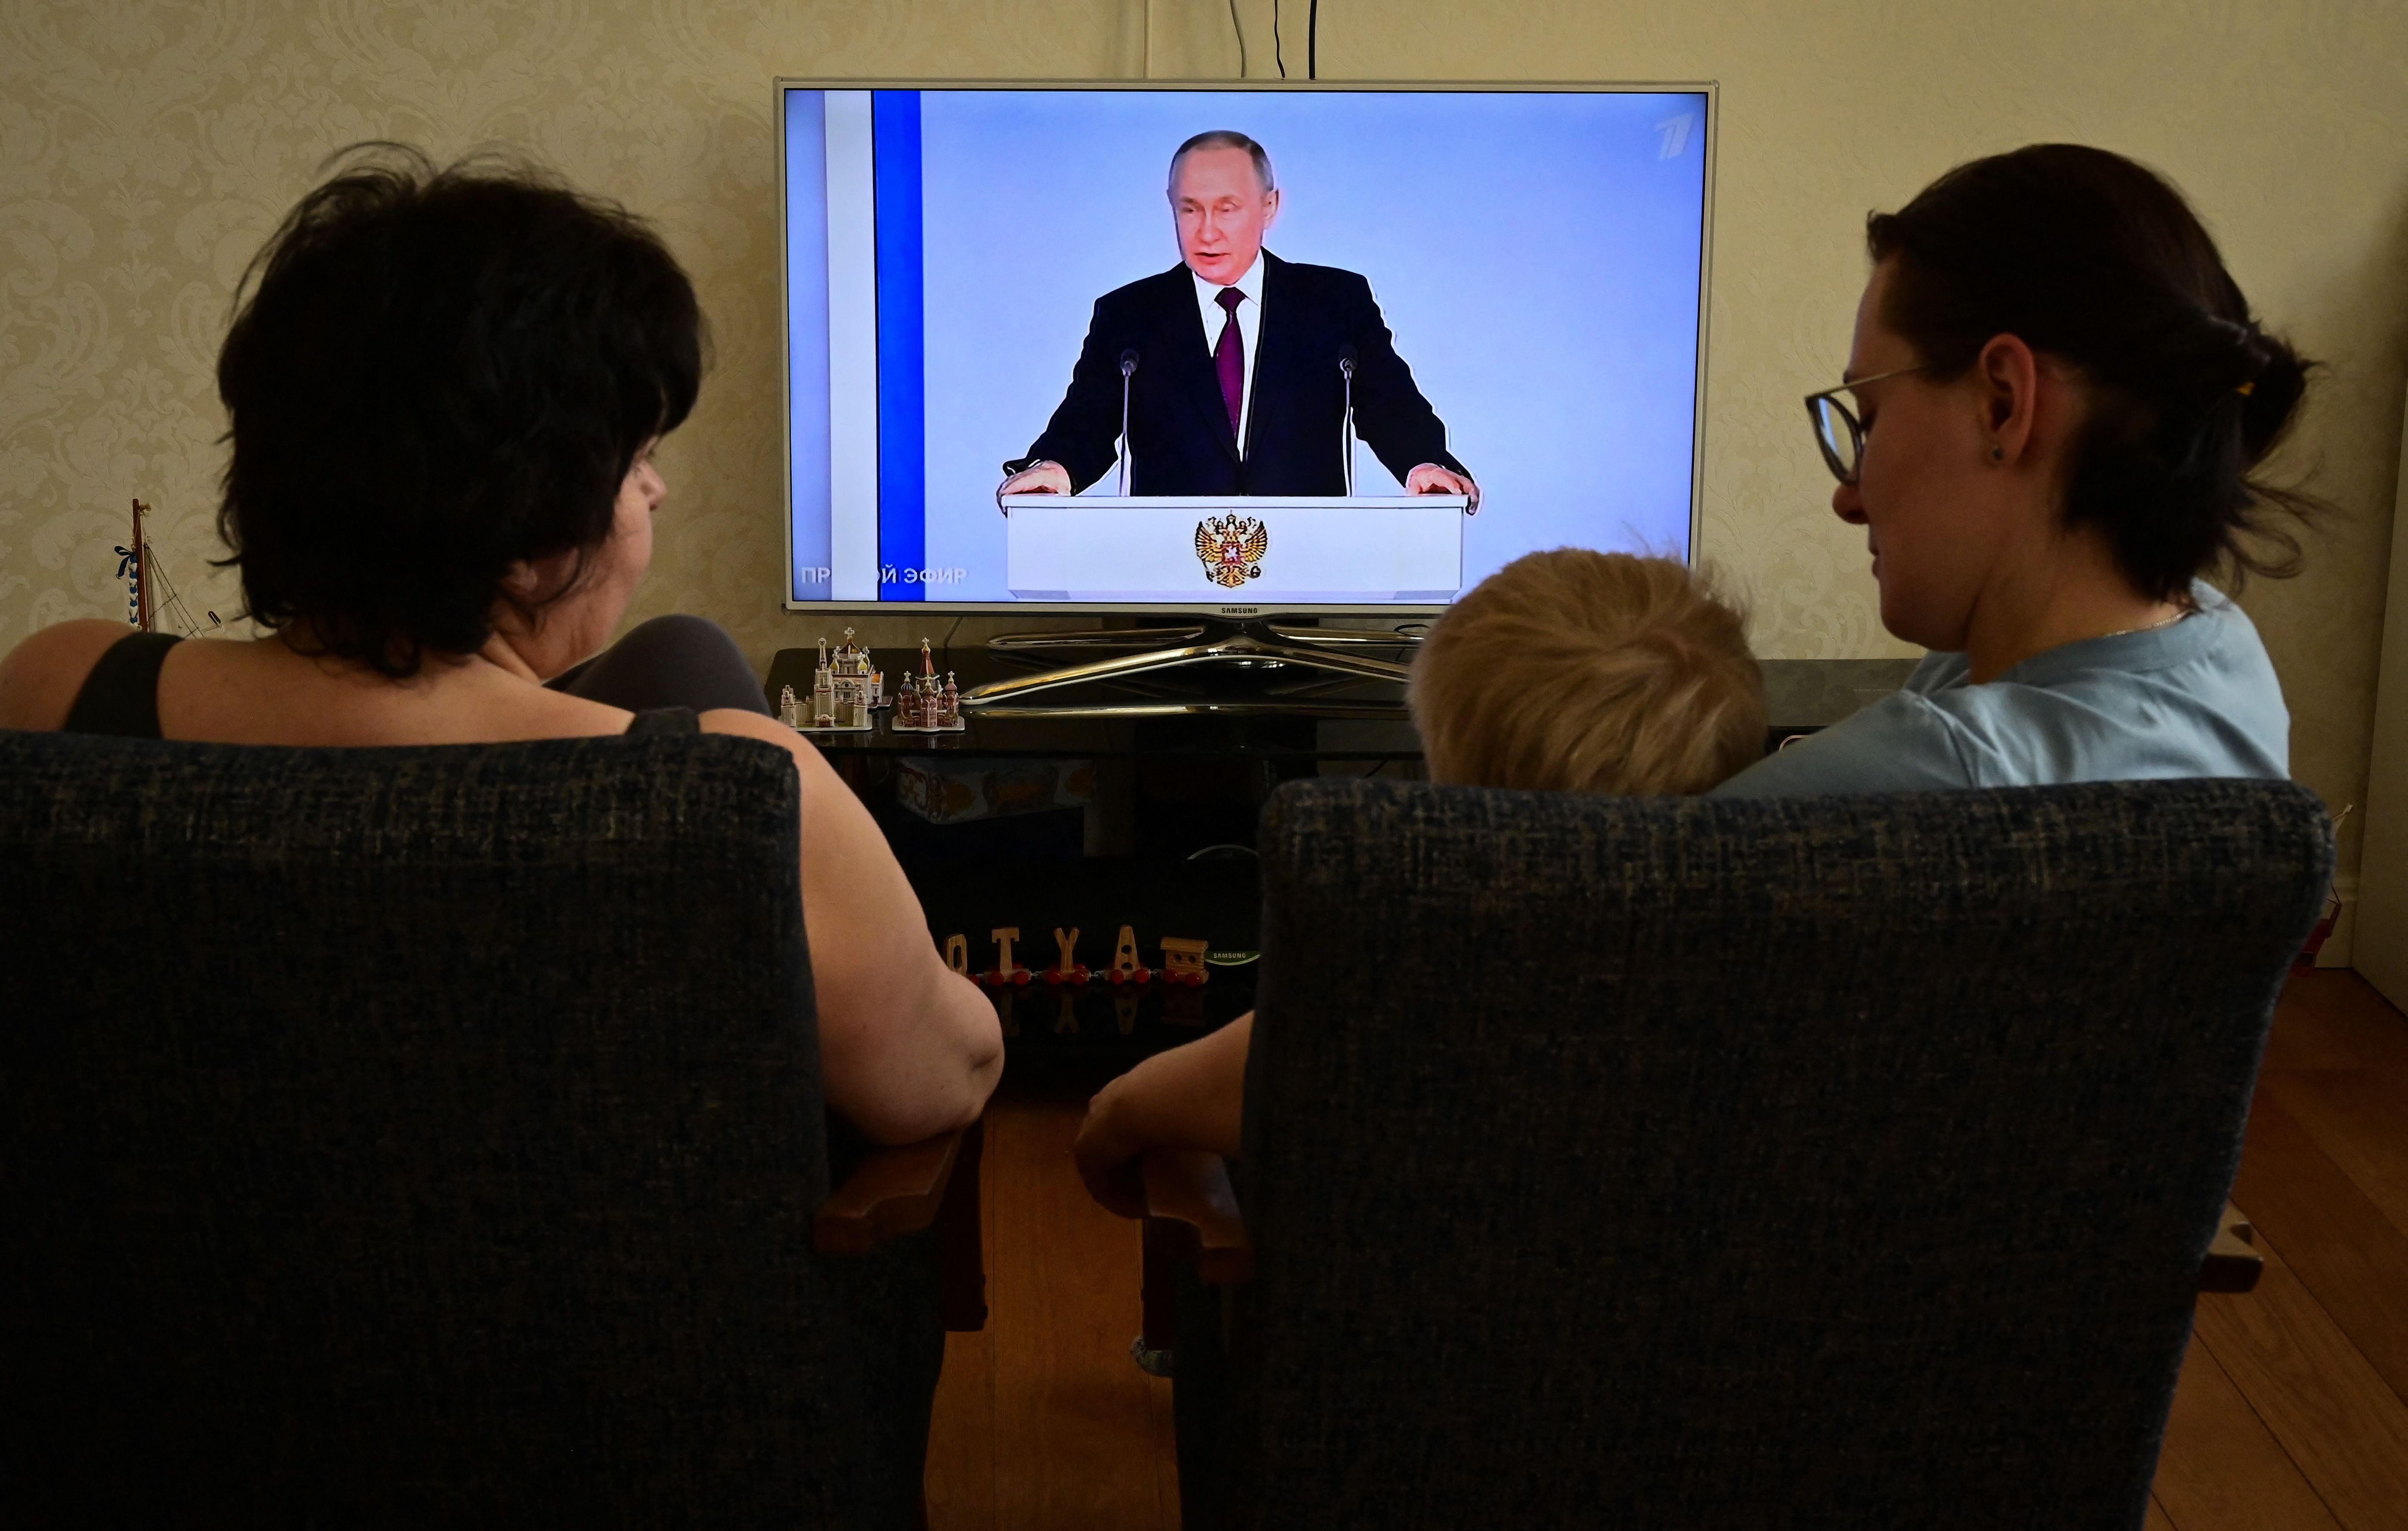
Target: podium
1235	549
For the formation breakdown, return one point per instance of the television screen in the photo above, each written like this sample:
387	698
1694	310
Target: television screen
1353	350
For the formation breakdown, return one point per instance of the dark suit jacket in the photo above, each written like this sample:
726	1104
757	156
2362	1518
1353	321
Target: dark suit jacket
1179	441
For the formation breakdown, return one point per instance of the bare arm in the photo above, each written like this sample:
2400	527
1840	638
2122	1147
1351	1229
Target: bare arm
1190	1098
40	676
907	1048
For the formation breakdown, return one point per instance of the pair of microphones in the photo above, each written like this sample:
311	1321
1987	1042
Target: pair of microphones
1347	359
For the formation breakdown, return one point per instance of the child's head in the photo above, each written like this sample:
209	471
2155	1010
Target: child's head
1578	671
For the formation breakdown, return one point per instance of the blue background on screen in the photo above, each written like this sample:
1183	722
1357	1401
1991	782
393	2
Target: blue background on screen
1537	256
902	347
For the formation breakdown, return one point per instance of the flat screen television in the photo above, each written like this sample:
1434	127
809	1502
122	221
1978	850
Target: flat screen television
1506	279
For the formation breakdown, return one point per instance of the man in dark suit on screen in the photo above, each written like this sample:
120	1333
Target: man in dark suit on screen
1238	386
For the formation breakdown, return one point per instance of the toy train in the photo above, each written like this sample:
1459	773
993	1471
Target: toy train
1183	962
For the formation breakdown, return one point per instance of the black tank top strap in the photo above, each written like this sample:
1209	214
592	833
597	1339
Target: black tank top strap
664	719
121	695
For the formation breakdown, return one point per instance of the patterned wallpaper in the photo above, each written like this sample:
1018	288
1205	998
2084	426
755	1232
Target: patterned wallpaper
146	148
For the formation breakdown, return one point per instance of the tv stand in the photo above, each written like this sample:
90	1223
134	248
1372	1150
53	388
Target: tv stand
1247	669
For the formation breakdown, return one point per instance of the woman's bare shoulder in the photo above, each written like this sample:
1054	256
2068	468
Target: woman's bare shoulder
820	784
40	676
753	725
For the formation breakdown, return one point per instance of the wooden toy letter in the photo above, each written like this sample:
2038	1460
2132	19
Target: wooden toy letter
1068	945
957	954
1125	954
1182	957
1003	937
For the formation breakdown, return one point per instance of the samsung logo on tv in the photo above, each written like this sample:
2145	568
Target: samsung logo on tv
1239	610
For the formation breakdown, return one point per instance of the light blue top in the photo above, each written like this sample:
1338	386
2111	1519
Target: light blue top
2195	698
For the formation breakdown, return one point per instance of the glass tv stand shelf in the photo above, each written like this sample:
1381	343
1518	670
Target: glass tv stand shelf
1154	694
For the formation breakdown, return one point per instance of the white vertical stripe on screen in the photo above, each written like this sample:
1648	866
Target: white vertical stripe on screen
853	348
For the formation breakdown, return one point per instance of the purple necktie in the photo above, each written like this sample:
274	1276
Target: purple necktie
1229	357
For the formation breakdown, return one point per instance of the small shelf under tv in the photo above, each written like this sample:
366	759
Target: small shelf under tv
1208	667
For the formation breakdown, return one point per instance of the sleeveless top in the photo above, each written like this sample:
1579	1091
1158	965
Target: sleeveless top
121	695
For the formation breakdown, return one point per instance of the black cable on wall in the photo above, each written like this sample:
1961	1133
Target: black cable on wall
1311	40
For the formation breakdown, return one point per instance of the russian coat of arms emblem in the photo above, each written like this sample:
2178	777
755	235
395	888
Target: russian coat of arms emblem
1231	548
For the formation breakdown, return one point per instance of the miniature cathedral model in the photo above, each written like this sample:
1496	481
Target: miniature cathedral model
923	707
844	688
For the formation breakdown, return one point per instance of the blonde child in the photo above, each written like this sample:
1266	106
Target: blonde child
1563	671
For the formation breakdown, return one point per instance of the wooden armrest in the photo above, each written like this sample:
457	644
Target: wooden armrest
1189	1194
896	1191
1191	1220
2231	1265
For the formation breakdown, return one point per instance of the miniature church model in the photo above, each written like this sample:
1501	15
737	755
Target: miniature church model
922	706
844	688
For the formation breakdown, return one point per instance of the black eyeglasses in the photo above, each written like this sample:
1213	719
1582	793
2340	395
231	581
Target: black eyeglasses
1838	431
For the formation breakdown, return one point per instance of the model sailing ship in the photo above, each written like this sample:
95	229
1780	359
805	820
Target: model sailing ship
138	566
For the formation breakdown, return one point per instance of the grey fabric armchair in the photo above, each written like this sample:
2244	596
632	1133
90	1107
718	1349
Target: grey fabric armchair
434	1136
1835	1162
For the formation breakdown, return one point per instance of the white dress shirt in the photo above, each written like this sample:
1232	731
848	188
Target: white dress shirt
1250	330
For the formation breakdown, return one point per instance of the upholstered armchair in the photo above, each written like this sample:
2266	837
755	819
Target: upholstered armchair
1655	1162
435	1135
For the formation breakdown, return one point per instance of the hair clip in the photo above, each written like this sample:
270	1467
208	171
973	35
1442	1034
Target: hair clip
2247	389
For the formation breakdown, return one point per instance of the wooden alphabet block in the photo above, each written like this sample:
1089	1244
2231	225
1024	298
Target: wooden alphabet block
1066	966
1005	970
1182	961
1126	968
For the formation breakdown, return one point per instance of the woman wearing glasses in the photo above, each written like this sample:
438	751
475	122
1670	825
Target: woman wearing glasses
2055	402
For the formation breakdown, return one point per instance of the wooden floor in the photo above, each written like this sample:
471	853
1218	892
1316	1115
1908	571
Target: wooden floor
1042	1418
2293	1409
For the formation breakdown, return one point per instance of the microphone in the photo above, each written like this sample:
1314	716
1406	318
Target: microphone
1346	355
1128	367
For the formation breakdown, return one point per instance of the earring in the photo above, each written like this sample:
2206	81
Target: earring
1998	453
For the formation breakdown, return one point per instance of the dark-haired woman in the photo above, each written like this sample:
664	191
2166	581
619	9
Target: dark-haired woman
2058	397
445	390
